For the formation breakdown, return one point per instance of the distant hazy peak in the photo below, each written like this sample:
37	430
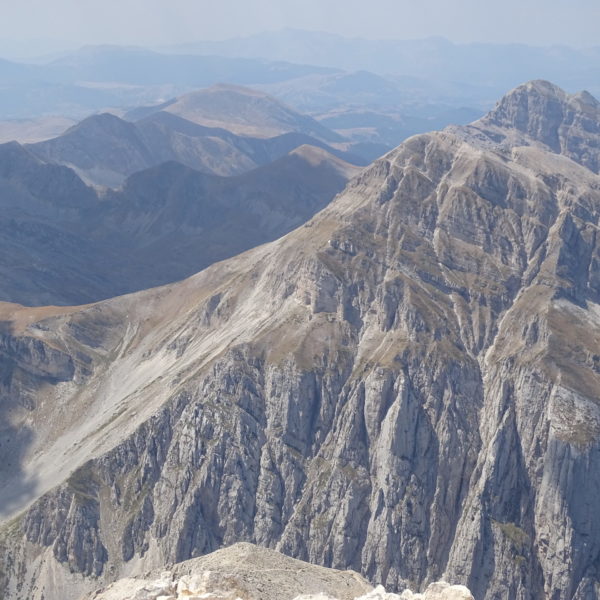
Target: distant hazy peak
316	157
13	154
245	111
104	120
237	89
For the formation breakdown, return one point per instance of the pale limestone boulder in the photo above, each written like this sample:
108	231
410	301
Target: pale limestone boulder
379	593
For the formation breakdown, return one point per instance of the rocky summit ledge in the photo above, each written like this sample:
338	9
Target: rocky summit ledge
248	572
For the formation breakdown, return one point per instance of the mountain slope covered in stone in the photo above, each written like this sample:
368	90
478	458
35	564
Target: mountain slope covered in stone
62	242
406	386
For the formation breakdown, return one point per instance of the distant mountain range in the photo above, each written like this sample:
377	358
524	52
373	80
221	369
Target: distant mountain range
412	85
194	130
224	129
61	242
107	76
481	68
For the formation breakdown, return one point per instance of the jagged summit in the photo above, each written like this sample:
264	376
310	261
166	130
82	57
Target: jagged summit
537	104
539	112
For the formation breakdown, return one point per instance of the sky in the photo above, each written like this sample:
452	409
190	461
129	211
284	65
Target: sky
29	25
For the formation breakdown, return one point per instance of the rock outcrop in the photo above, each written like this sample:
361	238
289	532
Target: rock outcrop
240	571
247	572
406	386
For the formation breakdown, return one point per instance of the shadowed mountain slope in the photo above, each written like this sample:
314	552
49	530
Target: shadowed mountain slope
104	149
407	386
64	243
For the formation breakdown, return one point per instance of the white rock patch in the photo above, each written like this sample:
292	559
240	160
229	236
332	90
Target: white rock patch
212	585
436	591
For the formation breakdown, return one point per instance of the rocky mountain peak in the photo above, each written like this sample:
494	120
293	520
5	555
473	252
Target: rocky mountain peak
539	112
586	100
536	108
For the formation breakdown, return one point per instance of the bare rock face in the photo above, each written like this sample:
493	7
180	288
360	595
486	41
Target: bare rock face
540	112
407	387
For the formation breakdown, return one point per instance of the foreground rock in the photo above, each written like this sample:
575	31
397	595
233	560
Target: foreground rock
241	571
436	591
248	572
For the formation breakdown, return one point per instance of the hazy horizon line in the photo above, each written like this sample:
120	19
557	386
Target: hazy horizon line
48	47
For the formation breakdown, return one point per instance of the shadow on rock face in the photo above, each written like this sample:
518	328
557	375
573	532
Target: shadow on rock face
26	364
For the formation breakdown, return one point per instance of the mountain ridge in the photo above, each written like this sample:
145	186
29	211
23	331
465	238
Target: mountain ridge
105	149
64	242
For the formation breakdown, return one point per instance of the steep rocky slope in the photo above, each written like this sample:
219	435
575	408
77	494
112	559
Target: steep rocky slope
63	243
406	386
104	149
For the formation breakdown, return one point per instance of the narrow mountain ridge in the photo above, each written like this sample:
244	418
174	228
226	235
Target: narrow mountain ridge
255	573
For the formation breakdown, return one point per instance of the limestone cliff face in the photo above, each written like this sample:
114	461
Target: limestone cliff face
407	386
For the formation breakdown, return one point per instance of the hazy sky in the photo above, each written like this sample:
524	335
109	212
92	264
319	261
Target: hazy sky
152	22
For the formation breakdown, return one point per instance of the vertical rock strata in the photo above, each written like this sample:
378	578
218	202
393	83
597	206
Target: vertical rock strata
407	386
